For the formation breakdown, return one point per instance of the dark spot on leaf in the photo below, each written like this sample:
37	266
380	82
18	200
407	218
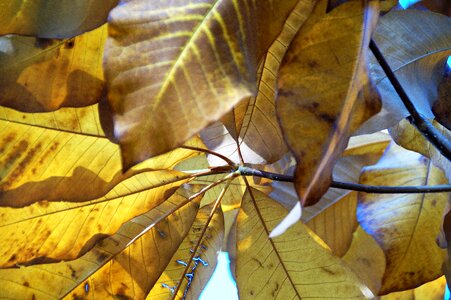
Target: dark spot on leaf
312	64
122	297
434	202
101	257
327	118
26	283
251	292
328	271
43	43
12	258
73	273
69	44
33	297
411	274
286	93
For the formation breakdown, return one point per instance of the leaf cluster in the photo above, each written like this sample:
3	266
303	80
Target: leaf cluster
130	131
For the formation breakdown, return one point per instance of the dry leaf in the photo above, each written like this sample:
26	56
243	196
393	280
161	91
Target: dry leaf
53	18
406	226
203	264
43	75
173	68
296	265
123	264
329	51
416	45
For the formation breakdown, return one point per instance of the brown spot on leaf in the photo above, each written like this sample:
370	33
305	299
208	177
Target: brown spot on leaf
101	257
12	258
327	270
26	283
43	43
69	44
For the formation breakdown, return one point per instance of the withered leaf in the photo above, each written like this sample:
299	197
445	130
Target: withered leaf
316	119
42	75
405	226
174	67
53	18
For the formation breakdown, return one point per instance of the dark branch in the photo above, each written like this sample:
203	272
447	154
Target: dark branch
246	171
431	133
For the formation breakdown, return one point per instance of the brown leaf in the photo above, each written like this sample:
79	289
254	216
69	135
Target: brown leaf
203	264
366	258
43	75
416	45
170	74
336	224
253	122
442	107
53	18
405	226
329	51
295	265
127	263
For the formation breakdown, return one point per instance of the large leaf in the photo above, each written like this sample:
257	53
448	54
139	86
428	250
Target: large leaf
127	263
43	75
296	265
330	50
53	18
253	123
415	44
52	178
203	264
174	67
433	290
405	226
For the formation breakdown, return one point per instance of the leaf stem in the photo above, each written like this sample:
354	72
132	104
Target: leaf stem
428	130
226	159
247	171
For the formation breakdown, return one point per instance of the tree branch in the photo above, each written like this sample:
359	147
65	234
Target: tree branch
428	130
246	171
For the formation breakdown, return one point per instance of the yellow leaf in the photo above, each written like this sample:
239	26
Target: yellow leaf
335	224
324	92
254	122
62	191
295	265
173	68
203	264
366	258
433	290
405	226
44	75
127	263
52	18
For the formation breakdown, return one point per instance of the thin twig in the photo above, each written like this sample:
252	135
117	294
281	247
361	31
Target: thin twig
431	133
226	159
246	171
204	229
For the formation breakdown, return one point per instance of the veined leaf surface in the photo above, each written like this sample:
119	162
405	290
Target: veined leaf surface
405	226
43	75
174	67
329	50
295	265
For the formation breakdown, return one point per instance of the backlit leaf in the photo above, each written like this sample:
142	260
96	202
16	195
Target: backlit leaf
43	75
53	18
366	258
330	50
203	264
174	67
121	265
433	290
406	226
416	45
253	123
295	265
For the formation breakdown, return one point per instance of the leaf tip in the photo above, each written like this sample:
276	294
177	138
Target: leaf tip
293	217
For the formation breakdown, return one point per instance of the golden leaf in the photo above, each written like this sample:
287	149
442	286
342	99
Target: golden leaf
44	75
405	226
295	265
173	68
316	120
125	264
